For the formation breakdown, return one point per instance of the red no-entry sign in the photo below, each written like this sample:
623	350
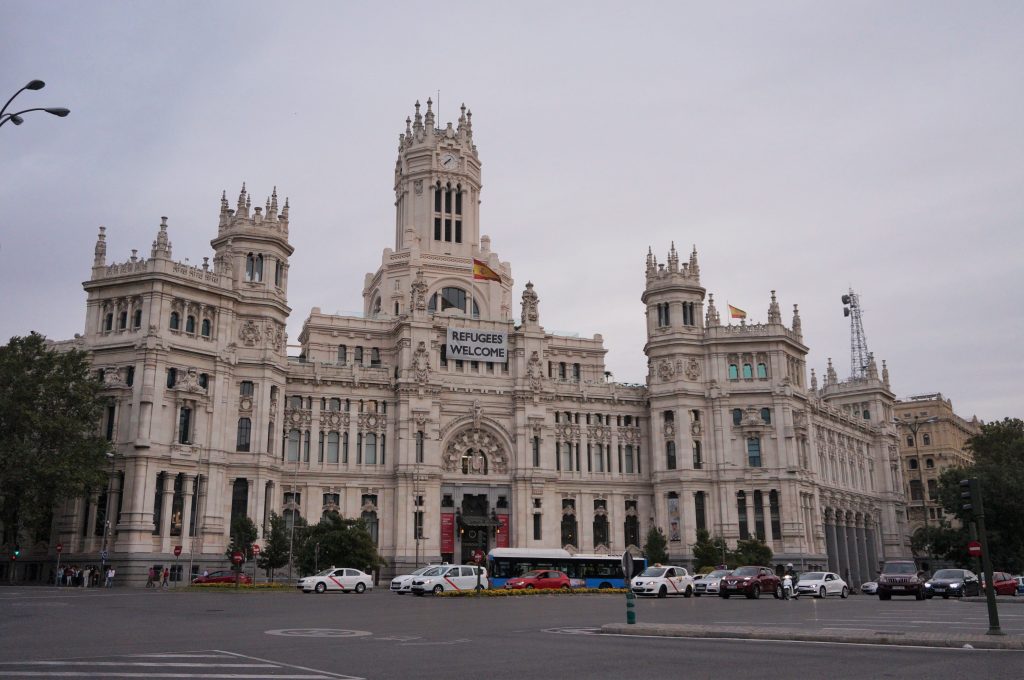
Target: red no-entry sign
974	549
236	557
255	549
177	550
60	546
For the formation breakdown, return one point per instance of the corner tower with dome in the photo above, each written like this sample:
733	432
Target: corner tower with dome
445	454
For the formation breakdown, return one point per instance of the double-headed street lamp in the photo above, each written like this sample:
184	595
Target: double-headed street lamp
16	118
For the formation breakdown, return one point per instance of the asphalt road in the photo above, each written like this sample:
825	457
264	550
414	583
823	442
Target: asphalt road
127	633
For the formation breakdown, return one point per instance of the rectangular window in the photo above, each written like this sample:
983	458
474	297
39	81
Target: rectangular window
185	426
245	388
558	456
699	511
458	231
576	372
243	441
759	515
305	447
537	522
773	507
741	511
698	456
629	459
754	452
111	412
359	355
567	462
294	441
447	230
437	226
670	455
536	452
419	447
458	203
417	524
344	448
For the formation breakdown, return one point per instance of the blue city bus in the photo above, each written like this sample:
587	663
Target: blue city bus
597	571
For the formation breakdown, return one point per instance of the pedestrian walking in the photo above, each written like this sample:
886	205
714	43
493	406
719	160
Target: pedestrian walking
110	577
164	582
150	578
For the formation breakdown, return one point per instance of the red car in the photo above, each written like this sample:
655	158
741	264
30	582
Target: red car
224	576
1005	583
543	578
751	581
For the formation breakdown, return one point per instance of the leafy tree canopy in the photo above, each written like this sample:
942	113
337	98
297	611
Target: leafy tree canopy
656	547
275	550
999	467
751	551
709	552
243	535
50	446
339	542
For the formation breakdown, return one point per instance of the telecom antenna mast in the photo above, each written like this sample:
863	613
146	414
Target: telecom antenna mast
859	355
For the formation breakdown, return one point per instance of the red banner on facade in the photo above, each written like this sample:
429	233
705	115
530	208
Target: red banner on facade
502	538
447	532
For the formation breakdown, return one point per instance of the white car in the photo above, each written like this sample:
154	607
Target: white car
662	581
710	583
344	580
401	585
450	577
822	584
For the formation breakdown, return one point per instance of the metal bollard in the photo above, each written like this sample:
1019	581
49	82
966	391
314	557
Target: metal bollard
630	608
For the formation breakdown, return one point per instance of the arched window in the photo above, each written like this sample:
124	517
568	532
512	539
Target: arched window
244	437
137	319
190	324
294	440
568	525
259	268
737	416
748	371
108	322
762	370
766	415
451	298
926	439
175	321
670	455
929	463
206	328
734	372
369	516
910	440
912	463
370	449
600	524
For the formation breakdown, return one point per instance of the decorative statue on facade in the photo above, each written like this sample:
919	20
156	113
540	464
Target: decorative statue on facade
530	300
419	292
420	364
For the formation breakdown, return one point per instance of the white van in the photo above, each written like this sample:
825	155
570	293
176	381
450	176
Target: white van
450	577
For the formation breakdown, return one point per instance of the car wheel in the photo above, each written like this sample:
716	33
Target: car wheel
689	592
321	587
566	588
778	592
360	587
529	587
438	589
845	593
663	592
755	593
822	593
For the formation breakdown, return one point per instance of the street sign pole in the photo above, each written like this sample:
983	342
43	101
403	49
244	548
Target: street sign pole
57	576
255	554
627	576
971	492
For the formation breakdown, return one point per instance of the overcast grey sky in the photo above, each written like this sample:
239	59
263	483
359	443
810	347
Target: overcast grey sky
804	147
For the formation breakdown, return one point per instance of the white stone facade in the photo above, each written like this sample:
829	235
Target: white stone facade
210	416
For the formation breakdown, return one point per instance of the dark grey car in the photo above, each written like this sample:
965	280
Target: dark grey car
952	583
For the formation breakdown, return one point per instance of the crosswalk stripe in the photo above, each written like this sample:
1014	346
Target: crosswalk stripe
151	664
106	674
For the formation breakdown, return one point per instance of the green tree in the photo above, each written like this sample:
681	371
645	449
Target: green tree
943	541
337	541
275	550
243	535
709	552
656	547
50	449
753	551
999	467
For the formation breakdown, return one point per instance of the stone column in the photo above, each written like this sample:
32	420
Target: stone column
89	540
851	552
114	500
872	541
843	563
251	503
167	501
186	506
831	542
862	553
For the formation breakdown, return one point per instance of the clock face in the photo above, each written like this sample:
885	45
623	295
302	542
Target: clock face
449	161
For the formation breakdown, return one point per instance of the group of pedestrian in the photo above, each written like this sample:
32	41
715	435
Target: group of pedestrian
155	575
83	577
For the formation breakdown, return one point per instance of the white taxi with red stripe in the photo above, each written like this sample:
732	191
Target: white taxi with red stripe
334	578
662	581
450	577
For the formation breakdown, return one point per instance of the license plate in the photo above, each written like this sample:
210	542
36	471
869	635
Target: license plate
897	587
731	587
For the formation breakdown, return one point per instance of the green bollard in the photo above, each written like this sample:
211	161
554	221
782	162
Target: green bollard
630	608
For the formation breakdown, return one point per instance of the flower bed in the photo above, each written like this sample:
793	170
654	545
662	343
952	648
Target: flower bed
241	586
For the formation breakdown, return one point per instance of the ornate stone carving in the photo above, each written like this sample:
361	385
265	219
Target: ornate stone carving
112	378
249	333
665	370
298	418
420	364
421	418
530	300
484	448
189	381
372	421
533	371
418	292
692	369
417	186
245	404
670	431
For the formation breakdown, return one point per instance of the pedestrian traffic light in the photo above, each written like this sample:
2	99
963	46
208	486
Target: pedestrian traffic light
17	551
970	496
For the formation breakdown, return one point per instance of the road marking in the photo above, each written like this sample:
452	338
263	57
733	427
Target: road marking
810	642
317	632
323	674
86	674
150	664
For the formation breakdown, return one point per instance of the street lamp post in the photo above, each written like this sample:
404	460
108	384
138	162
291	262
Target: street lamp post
914	426
106	512
16	117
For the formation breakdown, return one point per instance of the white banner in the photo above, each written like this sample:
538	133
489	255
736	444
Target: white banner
474	345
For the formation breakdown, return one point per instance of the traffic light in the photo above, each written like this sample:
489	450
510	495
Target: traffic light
970	496
17	552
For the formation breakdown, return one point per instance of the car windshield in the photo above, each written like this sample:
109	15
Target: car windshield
813	576
746	571
949	573
901	568
718	573
531	574
653	571
326	572
421	571
433	571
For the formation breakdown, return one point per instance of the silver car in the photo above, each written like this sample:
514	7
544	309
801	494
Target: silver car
709	583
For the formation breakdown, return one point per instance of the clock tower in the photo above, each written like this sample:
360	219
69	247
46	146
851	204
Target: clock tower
437	227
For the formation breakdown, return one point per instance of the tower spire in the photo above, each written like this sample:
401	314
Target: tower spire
774	313
162	246
100	252
711	317
673	259
428	120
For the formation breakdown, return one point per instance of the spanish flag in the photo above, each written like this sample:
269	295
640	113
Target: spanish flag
481	272
736	313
